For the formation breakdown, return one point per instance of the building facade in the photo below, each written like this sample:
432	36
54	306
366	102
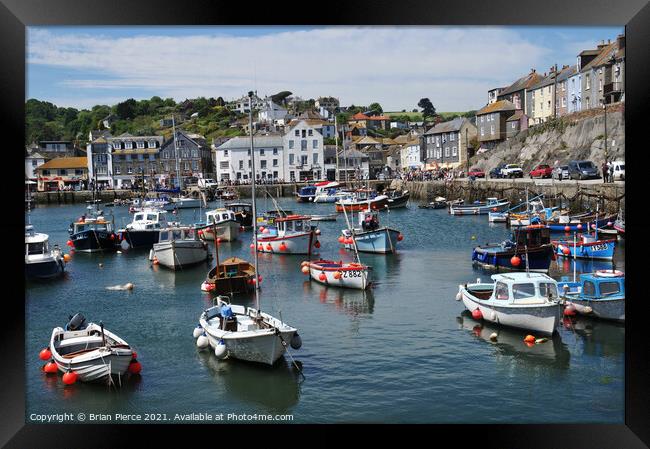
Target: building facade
447	144
32	162
233	158
63	173
186	156
303	143
491	123
131	157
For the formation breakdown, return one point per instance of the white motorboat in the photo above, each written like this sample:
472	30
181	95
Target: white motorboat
338	274
224	221
292	234
369	237
183	203
144	229
179	247
41	261
523	300
328	192
89	350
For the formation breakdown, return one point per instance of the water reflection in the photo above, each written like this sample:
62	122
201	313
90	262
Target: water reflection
351	301
276	387
599	338
510	343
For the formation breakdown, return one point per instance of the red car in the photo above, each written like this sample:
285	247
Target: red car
541	171
476	172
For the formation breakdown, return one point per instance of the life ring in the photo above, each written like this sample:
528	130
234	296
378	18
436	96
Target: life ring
609	273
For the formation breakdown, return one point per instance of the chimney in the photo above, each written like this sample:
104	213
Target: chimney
620	41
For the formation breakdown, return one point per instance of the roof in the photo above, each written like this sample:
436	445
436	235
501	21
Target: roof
65	162
521	277
35	155
516	116
379	117
350	154
449	126
367	140
606	52
309	121
359	116
522	83
258	142
497	106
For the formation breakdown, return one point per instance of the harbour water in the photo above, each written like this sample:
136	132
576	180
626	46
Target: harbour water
402	352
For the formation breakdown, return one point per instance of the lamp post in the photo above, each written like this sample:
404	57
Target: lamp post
605	111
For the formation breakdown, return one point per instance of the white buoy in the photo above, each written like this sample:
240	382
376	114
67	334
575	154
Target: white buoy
458	296
119	252
296	341
151	254
204	287
493	336
478	280
202	342
197	332
587	309
220	350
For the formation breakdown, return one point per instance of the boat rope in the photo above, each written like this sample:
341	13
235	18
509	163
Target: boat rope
284	343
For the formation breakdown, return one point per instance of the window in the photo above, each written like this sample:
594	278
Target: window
291	156
589	289
141	157
297	133
304	133
314	144
152	144
117	170
186	166
34	162
315	155
600	85
548	290
563	101
262	164
152	157
444	138
310	132
446	151
303	159
454	151
609	288
501	291
127	157
63	172
491	129
513	125
261	151
275	151
195	153
452	137
140	144
482	132
482	117
291	144
79	172
522	291
225	153
275	162
303	145
195	165
128	145
241	165
224	165
129	170
292	175
588	81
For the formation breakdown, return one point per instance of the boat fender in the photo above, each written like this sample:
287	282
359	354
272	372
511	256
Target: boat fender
305	269
587	309
493	336
198	330
135	367
296	341
45	354
569	310
202	341
476	314
529	339
70	377
609	273
220	350
50	368
459	295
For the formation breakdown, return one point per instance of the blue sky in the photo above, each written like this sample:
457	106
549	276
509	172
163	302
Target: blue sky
395	66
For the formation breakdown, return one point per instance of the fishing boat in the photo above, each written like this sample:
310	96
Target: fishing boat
534	213
327	192
369	237
229	194
580	222
306	194
41	261
245	333
144	229
338	274
600	294
223	222
293	234
589	246
529	248
397	198
268	218
440	203
362	199
93	233
479	208
243	213
179	247
522	300
324	217
232	276
90	351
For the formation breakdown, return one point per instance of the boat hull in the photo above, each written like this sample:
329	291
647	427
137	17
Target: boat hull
362	205
579	226
380	241
542	319
94	241
98	367
602	249
401	201
348	277
185	203
49	268
227	231
478	209
234	285
141	239
539	259
606	309
293	244
180	254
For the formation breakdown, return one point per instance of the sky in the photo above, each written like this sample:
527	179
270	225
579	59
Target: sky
395	66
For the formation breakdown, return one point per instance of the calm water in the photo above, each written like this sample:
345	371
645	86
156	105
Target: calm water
404	351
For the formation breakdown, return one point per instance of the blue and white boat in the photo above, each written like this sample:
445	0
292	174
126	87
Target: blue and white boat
306	194
588	247
579	223
369	237
479	208
530	248
41	261
600	294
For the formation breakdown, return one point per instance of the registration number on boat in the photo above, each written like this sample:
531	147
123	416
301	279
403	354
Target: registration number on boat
600	247
351	274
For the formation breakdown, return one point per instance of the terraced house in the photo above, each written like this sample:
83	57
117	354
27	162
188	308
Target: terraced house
516	92
305	158
187	156
491	123
603	77
134	157
233	158
61	173
447	144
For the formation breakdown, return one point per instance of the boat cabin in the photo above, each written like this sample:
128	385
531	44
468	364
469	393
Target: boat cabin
219	216
92	224
232	267
149	219
307	191
369	220
531	236
293	224
179	233
240	208
603	284
521	288
35	243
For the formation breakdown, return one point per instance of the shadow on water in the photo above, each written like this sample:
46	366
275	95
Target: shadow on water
276	387
95	393
510	343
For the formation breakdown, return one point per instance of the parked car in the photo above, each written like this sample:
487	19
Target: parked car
561	172
496	171
512	171
619	170
476	172
541	171
583	170
207	183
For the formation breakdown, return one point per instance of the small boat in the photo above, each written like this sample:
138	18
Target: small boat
327	192
292	234
397	198
369	237
229	195
179	247
243	213
479	208
362	199
498	217
245	333
338	274
306	194
522	300
183	202
325	217
93	233
600	294
225	223
530	248
233	275
588	247
41	262
619	224
268	218
89	350
565	223
144	229
440	203
535	212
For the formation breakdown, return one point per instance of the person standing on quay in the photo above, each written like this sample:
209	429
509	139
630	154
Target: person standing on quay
605	171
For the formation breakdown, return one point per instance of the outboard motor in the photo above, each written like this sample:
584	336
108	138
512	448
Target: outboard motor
77	322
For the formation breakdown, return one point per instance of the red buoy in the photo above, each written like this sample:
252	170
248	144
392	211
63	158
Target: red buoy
260	247
134	355
45	354
261	228
69	243
569	310
200	233
494	209
400	237
566	251
341	239
476	314
135	367
50	368
252	245
269	247
515	261
259	278
283	246
265	231
322	277
70	377
567	228
112	236
218	239
317	244
529	339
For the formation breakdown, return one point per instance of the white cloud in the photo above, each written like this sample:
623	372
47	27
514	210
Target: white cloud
395	66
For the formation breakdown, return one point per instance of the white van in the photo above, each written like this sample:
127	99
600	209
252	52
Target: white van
207	183
619	170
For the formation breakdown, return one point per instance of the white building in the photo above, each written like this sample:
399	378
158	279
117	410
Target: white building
32	162
303	143
411	157
233	159
271	112
242	104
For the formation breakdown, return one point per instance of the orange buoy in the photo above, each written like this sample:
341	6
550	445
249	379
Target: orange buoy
45	354
135	367
269	247
322	277
70	377
338	275
155	260
567	228
529	339
66	257
341	239
260	247
515	261
50	368
283	246
305	269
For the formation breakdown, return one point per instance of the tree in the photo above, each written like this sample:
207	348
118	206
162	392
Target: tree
220	102
376	107
126	109
428	111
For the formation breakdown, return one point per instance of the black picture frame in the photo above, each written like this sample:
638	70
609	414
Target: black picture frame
15	15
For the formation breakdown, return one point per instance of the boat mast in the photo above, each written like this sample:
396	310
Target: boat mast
250	132
178	168
336	138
